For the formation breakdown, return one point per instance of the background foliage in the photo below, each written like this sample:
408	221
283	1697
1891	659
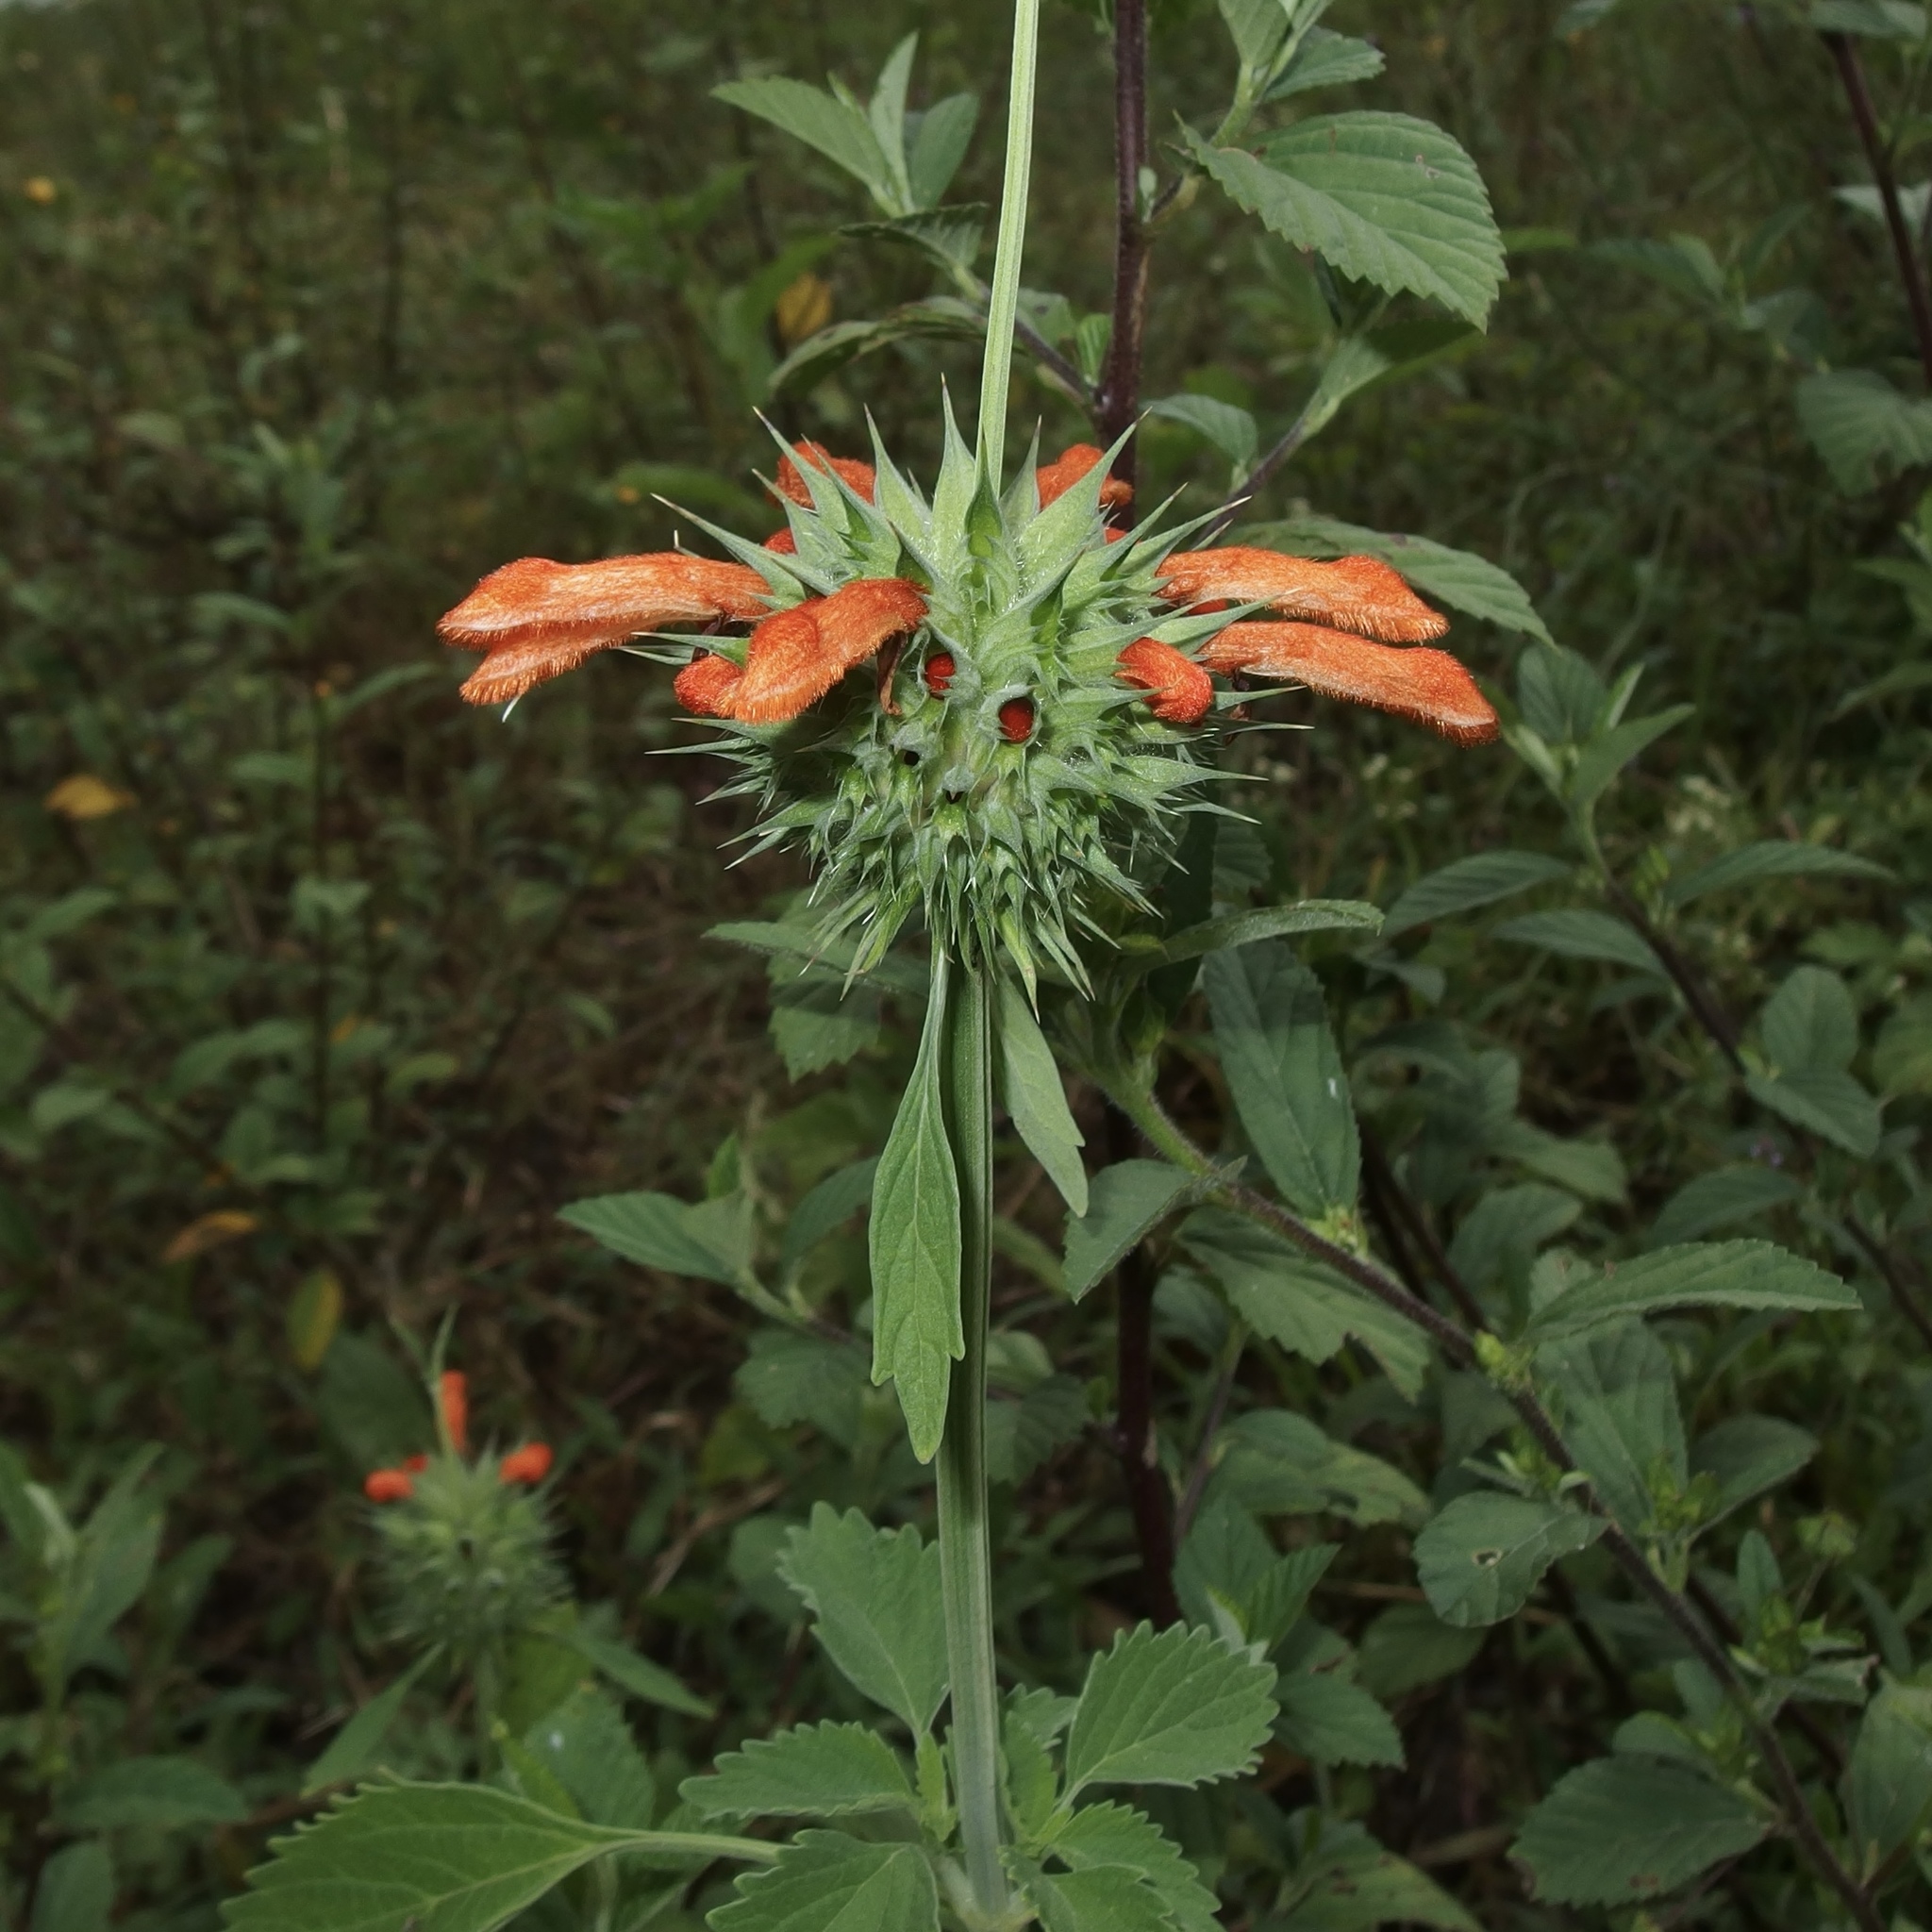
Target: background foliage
323	994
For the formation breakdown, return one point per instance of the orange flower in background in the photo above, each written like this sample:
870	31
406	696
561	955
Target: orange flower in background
453	1397
1059	476
860	478
388	1486
529	1464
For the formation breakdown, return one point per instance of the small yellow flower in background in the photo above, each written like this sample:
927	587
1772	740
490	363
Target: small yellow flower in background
804	309
84	796
210	1231
314	1312
41	189
346	1028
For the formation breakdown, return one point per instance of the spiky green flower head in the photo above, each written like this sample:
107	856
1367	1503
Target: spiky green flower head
997	775
465	1559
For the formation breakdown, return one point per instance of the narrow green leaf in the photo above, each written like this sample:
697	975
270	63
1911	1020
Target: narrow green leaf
1575	934
1228	430
638	1676
817	1771
1749	1455
938	144
1384	198
840	133
1286	1075
827	1882
439	1859
1606	753
1174	1707
881	1619
1277	1463
161	1792
1721	1199
1037	1100
355	1745
1126	1202
1772	858
1266	922
652	1230
1483	1553
1459	578
1327	59
1469	883
1628	1829
915	1241
827	1209
1696	1274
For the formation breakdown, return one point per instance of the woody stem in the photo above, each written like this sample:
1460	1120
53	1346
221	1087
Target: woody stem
1002	302
965	1541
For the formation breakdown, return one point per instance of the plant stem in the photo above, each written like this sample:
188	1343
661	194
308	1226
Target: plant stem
1851	72
965	1544
1119	400
1002	302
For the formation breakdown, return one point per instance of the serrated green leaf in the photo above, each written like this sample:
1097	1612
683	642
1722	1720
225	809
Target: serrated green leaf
1831	1105
1721	1199
1296	1302
1280	1464
947	236
653	1231
1483	1553
1593	1169
1811	1023
1863	427
936	144
1346	1882
824	1210
1328	1720
1626	1829
1109	1836
1174	1706
817	1771
1290	1088
1504	1230
1126	1202
585	1745
827	1882
638	1676
1888	1784
1459	578
838	132
1618	1413
1469	883
915	1243
1748	1455
1772	858
1327	59
160	1793
1575	934
1266	922
1408	1645
1108	1898
881	1619
1384	198
1228	430
791	1377
1696	1274
1226	1561
1034	1096
438	1858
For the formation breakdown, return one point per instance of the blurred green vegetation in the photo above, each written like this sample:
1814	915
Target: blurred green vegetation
326	993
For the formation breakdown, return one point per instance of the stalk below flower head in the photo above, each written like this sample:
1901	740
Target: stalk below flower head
987	708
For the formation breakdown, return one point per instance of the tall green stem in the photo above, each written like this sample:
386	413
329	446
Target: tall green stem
1003	304
965	1545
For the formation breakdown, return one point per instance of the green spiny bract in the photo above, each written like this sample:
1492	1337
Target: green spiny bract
907	798
465	1559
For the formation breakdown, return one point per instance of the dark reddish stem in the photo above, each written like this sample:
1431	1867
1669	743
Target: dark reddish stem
1119	400
1851	71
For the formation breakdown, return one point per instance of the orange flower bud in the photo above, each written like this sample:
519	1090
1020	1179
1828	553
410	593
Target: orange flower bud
1179	692
1016	720
940	669
860	478
1059	476
796	655
538	619
387	1485
705	684
1356	593
1431	687
529	1464
453	1397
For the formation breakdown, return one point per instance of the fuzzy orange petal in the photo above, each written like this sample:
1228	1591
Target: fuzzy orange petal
452	1394
387	1484
704	687
1059	476
538	619
529	1464
1431	687
782	543
799	654
1178	691
860	478
1357	593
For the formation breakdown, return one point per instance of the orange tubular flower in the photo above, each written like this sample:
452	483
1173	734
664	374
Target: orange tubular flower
704	687
529	1464
1059	476
796	655
1179	692
537	618
861	478
452	1394
387	1484
1431	687
1357	593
